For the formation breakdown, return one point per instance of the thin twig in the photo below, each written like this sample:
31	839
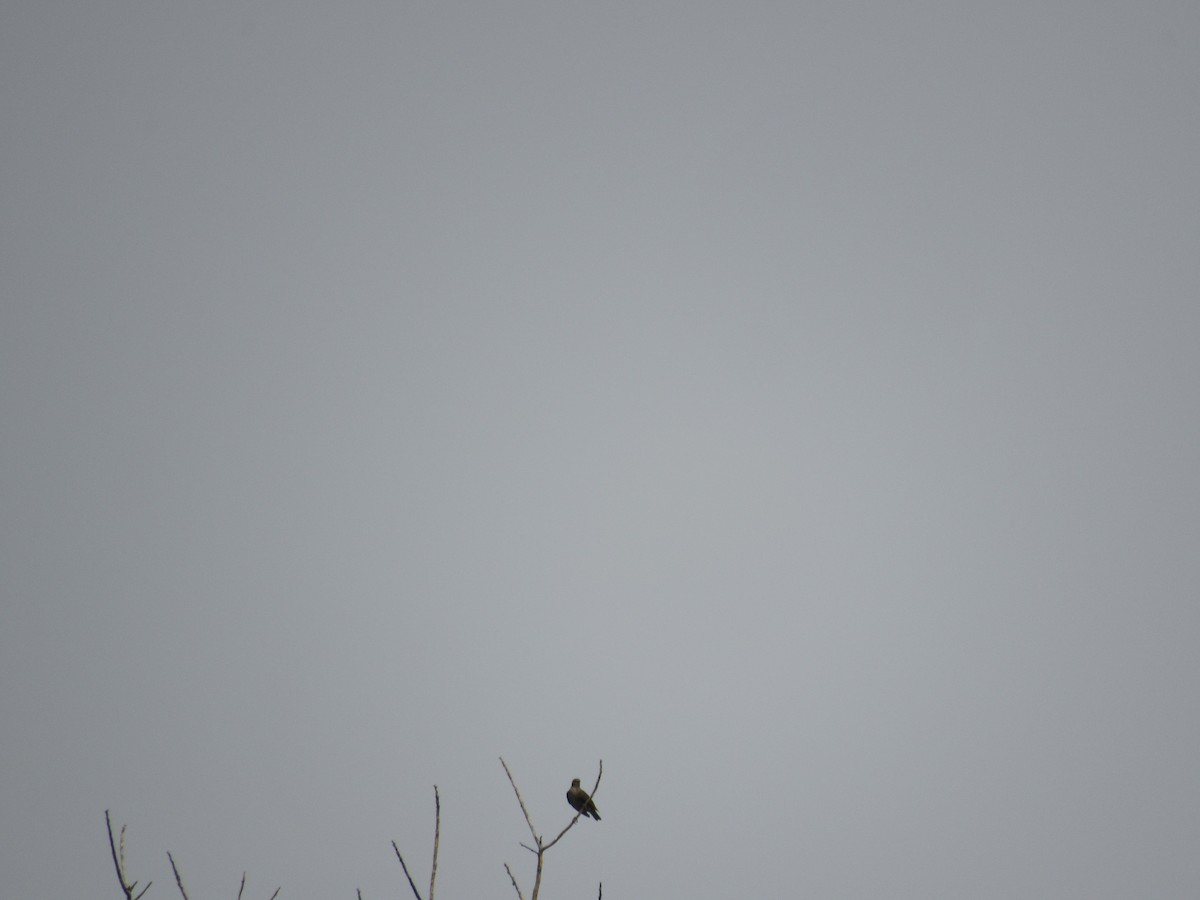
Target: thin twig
528	821
570	825
513	879
128	889
118	857
437	832
243	887
411	883
178	877
277	890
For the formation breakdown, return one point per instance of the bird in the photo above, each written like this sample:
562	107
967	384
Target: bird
580	801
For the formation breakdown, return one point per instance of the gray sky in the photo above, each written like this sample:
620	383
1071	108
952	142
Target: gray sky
792	404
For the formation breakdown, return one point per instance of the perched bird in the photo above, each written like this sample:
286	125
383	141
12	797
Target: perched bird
579	800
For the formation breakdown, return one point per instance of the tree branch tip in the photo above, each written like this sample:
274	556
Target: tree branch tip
513	879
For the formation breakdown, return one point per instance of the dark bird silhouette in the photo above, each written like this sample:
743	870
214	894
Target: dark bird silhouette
580	801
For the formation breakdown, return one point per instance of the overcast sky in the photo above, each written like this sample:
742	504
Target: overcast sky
793	405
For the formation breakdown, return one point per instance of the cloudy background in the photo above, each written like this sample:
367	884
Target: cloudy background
793	405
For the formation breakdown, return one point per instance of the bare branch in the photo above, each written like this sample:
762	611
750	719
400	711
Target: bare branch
570	825
243	887
513	879
542	847
537	875
126	888
359	892
528	821
437	832
277	890
600	891
178	877
118	858
411	883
